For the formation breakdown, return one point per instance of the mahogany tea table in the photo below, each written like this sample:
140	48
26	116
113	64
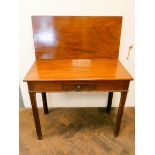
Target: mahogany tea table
77	53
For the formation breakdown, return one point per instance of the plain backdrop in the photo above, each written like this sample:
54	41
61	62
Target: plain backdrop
27	8
145	32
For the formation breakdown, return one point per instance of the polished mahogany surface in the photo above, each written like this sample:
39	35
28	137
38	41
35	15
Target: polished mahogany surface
76	53
76	37
77	69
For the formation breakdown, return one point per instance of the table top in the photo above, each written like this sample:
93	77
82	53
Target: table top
76	37
77	70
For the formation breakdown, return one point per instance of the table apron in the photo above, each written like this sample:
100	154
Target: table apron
63	86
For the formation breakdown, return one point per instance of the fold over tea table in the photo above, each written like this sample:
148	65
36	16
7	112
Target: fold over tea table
77	53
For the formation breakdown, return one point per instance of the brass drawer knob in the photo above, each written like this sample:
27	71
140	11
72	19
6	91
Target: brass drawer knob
78	87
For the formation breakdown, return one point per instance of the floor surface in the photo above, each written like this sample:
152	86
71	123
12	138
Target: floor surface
77	131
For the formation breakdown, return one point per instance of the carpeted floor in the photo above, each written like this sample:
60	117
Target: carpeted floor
77	131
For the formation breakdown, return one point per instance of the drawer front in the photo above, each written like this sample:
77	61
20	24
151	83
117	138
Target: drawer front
78	87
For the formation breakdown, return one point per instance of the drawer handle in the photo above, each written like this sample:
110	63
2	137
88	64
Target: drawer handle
78	87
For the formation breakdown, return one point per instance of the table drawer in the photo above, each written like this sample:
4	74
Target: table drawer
78	86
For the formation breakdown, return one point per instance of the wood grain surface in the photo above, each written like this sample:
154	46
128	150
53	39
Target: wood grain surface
77	69
70	37
77	131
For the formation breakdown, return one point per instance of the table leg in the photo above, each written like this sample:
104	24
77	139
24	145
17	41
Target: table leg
44	99
110	96
120	113
35	114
